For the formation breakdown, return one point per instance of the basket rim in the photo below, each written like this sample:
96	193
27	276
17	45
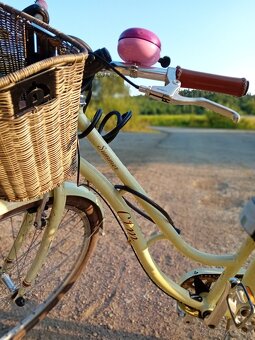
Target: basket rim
39	66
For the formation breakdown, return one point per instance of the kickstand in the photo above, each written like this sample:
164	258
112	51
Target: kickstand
229	334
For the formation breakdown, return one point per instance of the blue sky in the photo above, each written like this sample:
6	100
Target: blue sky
209	36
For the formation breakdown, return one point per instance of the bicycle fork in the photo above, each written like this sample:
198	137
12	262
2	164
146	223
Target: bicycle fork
33	219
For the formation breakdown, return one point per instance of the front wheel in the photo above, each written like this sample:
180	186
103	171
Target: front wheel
69	253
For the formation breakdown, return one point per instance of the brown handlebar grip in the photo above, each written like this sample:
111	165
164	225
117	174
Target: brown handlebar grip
212	82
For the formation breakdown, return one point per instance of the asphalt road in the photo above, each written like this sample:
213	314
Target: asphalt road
190	146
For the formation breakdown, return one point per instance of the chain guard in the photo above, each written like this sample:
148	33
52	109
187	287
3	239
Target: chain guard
196	282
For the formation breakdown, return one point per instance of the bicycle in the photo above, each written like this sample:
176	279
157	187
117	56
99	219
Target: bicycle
47	247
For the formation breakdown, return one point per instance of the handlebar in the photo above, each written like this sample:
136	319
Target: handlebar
38	10
188	79
212	82
175	78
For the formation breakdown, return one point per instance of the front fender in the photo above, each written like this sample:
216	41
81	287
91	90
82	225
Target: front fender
70	189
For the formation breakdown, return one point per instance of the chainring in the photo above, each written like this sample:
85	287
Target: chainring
197	282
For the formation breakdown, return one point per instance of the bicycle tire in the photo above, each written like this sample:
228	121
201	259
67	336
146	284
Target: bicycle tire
52	281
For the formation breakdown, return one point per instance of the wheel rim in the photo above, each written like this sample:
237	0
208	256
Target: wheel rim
70	243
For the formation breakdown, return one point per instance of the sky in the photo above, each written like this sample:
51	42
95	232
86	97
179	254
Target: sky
208	36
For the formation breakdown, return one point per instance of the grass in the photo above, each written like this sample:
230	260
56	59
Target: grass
210	120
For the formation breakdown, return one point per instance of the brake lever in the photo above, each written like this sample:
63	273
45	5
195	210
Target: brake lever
169	93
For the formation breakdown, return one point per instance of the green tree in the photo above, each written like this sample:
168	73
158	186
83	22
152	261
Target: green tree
109	87
112	94
247	104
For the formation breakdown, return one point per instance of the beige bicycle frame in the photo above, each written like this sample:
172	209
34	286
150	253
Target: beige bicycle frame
231	263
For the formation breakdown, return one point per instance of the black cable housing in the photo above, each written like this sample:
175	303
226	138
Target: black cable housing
122	119
148	200
92	125
111	66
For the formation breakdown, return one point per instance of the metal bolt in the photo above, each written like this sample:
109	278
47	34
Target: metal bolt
20	301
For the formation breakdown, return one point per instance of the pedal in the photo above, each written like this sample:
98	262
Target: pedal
240	303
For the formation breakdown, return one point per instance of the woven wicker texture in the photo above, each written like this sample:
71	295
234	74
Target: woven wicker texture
39	102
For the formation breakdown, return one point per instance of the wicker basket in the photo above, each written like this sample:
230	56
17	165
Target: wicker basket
39	102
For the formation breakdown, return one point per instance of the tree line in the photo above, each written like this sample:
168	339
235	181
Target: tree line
112	94
244	105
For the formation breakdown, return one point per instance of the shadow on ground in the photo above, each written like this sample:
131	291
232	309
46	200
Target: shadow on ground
70	330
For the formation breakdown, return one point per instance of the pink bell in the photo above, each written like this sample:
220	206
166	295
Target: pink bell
139	46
